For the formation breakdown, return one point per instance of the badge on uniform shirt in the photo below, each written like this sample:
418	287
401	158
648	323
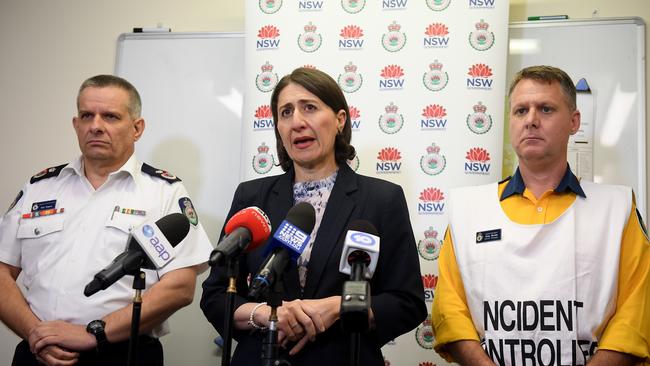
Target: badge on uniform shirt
43	205
489	235
187	208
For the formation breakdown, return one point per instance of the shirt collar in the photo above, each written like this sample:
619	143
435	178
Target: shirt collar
131	168
569	183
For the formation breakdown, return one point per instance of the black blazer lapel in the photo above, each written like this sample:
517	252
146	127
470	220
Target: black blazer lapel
338	210
279	203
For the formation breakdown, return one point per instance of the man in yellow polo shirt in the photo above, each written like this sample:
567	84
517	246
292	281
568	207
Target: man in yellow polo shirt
542	269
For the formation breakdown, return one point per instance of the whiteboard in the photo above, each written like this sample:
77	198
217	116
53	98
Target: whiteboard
191	85
610	55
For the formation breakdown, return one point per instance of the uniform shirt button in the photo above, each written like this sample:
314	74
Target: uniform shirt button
539	209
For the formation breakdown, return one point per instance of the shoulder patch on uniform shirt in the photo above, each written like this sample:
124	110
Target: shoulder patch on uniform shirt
187	208
13	204
47	173
159	173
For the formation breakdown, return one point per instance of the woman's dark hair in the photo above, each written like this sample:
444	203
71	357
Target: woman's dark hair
326	89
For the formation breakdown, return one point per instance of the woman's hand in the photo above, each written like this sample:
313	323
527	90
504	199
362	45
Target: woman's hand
301	320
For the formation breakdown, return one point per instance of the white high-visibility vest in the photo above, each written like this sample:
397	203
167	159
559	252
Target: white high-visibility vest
540	294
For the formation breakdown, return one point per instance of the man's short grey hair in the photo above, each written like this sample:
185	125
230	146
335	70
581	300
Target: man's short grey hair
101	81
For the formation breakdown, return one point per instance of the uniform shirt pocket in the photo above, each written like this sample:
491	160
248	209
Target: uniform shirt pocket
40	226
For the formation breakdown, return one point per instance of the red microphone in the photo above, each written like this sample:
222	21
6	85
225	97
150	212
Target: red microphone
245	231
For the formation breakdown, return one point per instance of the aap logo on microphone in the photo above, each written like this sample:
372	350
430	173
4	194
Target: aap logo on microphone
363	239
148	231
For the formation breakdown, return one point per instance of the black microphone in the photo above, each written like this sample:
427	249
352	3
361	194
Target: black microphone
150	246
359	259
289	241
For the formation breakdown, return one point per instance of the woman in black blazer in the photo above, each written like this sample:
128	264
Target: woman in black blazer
313	132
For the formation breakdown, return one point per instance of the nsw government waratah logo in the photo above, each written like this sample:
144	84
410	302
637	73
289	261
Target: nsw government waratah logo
263	162
394	40
310	5
480	77
268	38
424	335
263	118
435	79
355	118
351	38
309	41
479	122
353	6
429	247
477	161
350	81
433	162
267	80
392	78
481	39
438	5
436	35
391	122
389	160
270	6
432	202
429	281
435	118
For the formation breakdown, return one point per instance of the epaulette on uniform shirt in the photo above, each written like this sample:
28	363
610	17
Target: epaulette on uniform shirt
47	173
159	173
505	179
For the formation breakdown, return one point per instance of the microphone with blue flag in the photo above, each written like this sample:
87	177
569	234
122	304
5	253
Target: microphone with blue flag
288	242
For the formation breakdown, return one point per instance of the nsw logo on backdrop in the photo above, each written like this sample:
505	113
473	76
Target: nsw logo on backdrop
432	202
351	38
436	35
263	118
435	118
389	161
392	78
268	38
477	161
480	77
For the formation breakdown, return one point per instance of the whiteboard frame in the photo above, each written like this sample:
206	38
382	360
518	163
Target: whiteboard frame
641	184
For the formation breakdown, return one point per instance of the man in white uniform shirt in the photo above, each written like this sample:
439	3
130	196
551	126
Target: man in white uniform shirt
70	221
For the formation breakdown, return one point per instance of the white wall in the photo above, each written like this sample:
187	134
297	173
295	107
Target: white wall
49	47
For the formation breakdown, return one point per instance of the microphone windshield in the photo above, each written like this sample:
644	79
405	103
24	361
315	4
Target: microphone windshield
174	227
253	219
303	216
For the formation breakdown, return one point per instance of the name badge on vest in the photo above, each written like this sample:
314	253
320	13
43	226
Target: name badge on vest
489	235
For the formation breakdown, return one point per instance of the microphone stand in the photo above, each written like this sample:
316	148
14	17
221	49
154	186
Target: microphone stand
138	285
232	266
355	308
270	346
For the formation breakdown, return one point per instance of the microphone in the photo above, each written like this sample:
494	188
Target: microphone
150	246
288	242
361	248
246	230
359	260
